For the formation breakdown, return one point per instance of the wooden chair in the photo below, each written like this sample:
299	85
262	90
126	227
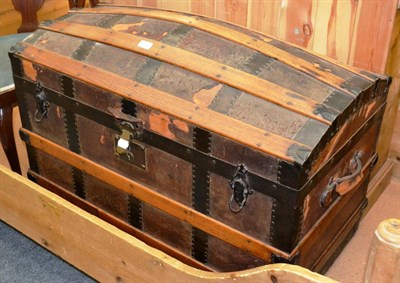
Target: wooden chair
28	10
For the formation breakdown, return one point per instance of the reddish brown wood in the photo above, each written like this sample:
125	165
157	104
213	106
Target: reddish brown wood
28	10
205	7
197	64
76	3
182	212
371	32
7	102
299	24
189	112
51	186
150	3
236	36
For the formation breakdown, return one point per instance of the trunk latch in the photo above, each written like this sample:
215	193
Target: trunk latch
125	148
42	105
241	189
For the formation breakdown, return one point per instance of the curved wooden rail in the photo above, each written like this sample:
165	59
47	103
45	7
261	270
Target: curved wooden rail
105	252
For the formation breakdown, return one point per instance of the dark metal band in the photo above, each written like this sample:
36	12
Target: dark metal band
201	159
83	50
200	194
135	212
345	149
134	204
286	220
72	135
175	37
17	68
109	22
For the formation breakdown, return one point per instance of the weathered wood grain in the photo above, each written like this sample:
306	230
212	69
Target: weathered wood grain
10	18
196	64
258	42
374	30
296	24
111	254
190	112
234	11
264	16
205	8
157	200
389	138
353	32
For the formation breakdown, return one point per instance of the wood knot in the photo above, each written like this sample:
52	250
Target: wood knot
307	29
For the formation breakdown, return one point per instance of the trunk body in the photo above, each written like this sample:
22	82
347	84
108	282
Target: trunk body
237	130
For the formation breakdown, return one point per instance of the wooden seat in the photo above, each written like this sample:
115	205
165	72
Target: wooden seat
28	10
8	100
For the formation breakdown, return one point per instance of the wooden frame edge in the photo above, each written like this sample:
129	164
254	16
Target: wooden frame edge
378	184
105	252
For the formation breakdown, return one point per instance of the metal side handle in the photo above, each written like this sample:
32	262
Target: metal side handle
345	184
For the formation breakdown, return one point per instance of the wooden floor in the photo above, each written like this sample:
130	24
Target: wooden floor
350	265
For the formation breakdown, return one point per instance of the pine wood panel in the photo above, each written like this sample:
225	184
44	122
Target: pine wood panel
391	125
112	256
296	24
234	11
148	3
10	19
374	30
205	8
334	31
6	5
264	16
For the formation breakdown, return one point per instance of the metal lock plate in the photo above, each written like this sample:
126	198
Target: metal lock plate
126	149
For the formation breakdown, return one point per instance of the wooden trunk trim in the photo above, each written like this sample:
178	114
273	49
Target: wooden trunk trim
261	45
253	137
339	203
174	208
196	64
102	214
111	254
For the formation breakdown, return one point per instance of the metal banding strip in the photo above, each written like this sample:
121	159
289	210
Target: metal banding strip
83	50
33	163
309	185
204	67
218	166
72	135
320	62
135	212
134	204
148	71
20	93
175	37
187	111
200	194
230	32
285	222
111	21
17	68
182	212
98	212
146	76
